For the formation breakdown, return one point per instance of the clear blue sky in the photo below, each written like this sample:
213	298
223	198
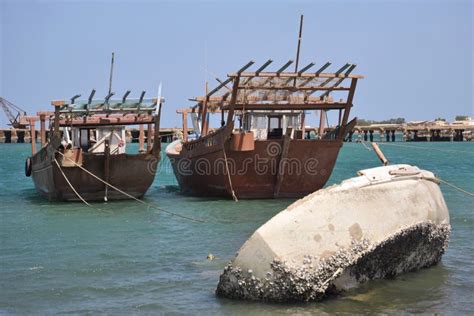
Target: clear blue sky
417	55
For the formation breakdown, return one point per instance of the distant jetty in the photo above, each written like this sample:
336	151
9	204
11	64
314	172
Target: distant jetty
18	136
414	131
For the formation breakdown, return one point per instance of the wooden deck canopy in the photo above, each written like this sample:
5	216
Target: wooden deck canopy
106	111
278	90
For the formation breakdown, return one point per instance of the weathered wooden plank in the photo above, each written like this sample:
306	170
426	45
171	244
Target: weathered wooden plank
294	75
294	89
104	120
287	106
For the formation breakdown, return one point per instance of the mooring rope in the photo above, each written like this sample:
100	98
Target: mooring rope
70	185
441	180
129	195
228	176
366	147
455	187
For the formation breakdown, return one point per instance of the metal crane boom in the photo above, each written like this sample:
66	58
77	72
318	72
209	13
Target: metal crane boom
15	120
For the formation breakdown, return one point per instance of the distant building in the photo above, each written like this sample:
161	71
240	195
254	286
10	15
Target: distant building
469	121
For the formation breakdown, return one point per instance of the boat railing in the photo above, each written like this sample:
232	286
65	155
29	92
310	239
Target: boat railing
214	138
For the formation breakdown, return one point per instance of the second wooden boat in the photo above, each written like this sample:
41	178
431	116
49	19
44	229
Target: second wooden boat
263	149
85	157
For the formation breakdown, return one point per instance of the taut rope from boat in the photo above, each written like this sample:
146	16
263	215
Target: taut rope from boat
456	187
228	176
129	195
437	176
70	184
366	147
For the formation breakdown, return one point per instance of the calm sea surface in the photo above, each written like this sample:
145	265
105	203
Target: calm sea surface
122	258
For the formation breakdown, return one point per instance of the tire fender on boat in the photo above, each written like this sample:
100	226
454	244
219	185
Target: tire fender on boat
28	167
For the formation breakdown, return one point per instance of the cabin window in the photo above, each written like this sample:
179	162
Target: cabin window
274	127
84	139
293	121
260	121
274	122
271	125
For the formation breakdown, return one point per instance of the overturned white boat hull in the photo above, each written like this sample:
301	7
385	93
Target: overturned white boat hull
387	221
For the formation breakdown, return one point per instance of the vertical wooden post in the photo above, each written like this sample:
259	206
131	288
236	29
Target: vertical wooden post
303	124
43	130
149	136
233	99
205	121
347	110
185	126
321	123
106	168
141	139
33	136
157	137
56	118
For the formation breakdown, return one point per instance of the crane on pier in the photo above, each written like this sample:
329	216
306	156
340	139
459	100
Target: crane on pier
17	120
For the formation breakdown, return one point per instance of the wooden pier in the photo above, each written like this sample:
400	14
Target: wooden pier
133	135
420	132
378	132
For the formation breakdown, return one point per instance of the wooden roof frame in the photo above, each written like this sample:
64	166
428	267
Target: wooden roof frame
108	106
93	112
248	85
105	120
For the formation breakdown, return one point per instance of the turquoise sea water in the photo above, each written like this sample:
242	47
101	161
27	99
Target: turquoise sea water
122	258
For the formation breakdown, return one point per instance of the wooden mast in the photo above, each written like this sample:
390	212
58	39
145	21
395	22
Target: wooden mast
157	139
303	114
205	121
111	72
298	48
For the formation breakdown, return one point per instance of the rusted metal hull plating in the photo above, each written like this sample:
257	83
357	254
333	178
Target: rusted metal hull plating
131	173
272	170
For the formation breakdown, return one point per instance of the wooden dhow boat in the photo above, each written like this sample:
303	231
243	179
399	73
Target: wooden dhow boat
263	149
85	157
